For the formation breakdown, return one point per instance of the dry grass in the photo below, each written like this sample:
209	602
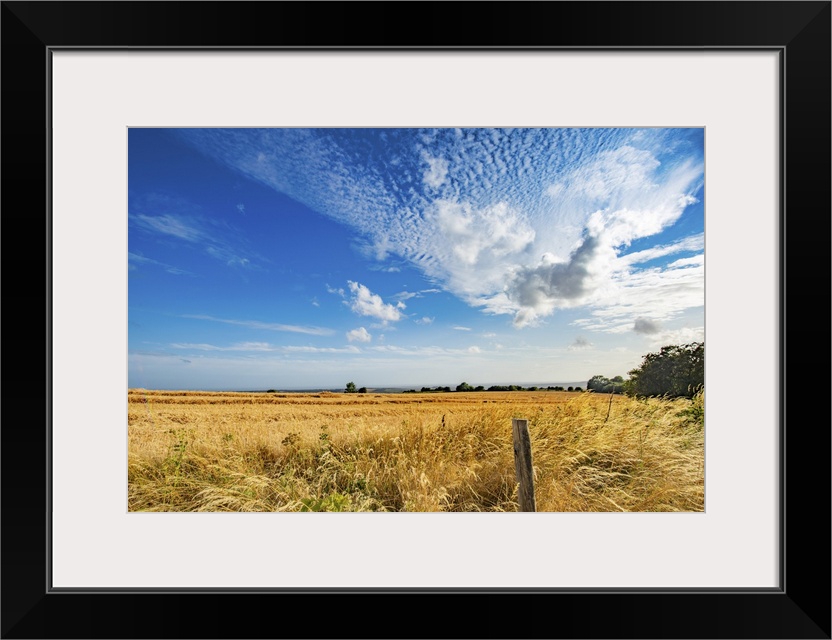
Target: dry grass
199	451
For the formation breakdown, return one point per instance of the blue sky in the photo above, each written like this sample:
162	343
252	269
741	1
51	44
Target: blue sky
307	258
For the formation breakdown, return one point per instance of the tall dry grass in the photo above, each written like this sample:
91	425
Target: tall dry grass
415	452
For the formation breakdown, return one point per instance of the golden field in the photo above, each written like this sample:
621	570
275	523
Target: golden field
423	452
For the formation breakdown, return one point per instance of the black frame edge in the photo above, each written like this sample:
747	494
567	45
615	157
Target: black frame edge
29	29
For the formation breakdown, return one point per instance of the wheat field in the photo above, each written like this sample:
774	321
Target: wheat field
420	452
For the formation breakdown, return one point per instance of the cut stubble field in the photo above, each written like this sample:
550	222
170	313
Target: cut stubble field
416	452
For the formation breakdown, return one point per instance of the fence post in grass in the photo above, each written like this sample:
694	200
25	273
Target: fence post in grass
523	463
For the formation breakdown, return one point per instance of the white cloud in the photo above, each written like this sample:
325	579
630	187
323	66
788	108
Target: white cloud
241	208
469	249
691	243
425	351
436	172
540	290
366	303
685	335
424	320
460	328
635	207
176	226
230	257
407	295
580	344
612	173
191	229
645	326
135	258
359	335
657	294
239	346
268	326
338	291
693	261
195	346
522	222
306	349
262	347
251	346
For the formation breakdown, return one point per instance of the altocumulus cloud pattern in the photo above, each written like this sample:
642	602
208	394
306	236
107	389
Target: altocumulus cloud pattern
510	221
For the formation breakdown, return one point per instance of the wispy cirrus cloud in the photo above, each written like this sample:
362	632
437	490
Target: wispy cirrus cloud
694	243
185	224
229	257
239	346
267	326
176	226
407	295
654	295
309	349
425	351
253	347
135	258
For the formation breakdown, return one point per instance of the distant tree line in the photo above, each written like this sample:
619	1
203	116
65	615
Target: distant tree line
675	371
601	384
511	387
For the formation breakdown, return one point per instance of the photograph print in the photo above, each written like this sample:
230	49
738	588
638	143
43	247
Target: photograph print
416	320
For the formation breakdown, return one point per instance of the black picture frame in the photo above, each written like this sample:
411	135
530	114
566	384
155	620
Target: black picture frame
799	608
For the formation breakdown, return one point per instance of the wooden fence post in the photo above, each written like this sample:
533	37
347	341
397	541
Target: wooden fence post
523	463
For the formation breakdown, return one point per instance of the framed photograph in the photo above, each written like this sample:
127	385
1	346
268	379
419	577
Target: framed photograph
671	159
465	277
